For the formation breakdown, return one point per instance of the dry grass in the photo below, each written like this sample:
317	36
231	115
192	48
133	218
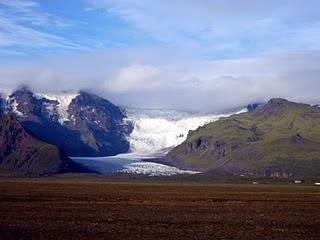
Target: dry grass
67	209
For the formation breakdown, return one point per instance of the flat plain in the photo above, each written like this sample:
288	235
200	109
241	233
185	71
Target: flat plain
68	208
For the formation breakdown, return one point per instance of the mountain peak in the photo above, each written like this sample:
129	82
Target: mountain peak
273	103
82	124
22	91
278	101
279	139
278	107
86	95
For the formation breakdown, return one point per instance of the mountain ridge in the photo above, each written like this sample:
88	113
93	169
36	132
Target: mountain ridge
90	126
278	139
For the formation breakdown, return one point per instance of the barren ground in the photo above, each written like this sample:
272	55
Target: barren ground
89	209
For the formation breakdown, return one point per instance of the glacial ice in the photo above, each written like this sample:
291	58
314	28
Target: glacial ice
155	132
153	169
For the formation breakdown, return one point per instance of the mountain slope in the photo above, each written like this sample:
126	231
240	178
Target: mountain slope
279	139
23	155
81	124
2	105
101	124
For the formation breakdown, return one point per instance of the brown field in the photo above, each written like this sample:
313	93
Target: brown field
87	209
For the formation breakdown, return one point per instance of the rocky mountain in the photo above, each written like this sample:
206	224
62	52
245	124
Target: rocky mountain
278	139
253	106
2	105
21	154
81	124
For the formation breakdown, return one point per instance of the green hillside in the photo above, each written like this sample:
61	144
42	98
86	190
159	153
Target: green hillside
279	139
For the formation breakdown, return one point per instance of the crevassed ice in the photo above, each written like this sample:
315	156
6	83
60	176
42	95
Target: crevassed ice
156	131
153	169
63	106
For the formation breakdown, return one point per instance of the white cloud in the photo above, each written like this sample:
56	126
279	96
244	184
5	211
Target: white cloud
136	78
192	64
24	24
224	27
182	83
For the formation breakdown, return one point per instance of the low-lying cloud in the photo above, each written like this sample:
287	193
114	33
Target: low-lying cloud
179	82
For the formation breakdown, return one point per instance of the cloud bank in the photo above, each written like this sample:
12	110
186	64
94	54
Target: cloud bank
193	55
197	85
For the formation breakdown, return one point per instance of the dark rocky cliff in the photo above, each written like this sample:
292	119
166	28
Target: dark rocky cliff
93	126
21	154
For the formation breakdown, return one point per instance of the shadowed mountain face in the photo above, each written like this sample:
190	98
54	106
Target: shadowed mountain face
279	139
2	105
87	125
23	155
254	106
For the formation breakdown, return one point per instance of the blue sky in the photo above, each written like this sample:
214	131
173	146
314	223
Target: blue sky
220	29
167	51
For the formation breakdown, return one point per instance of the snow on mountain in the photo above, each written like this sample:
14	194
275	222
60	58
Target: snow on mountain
81	124
157	131
64	100
14	104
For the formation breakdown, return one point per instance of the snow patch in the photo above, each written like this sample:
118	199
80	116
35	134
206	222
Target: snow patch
14	104
153	169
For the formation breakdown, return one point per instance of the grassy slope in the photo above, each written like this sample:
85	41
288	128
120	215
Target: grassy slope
281	134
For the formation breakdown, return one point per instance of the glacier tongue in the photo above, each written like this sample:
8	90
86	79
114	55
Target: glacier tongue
153	169
154	133
160	130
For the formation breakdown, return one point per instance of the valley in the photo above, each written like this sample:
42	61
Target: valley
272	139
101	136
164	119
155	132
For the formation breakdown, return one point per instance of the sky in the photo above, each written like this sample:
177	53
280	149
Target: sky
197	55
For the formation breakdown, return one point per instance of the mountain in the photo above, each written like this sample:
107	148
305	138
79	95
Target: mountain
2	105
21	154
278	139
81	124
253	106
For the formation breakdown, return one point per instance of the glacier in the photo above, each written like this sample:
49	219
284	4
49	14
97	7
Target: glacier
155	132
153	169
130	164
